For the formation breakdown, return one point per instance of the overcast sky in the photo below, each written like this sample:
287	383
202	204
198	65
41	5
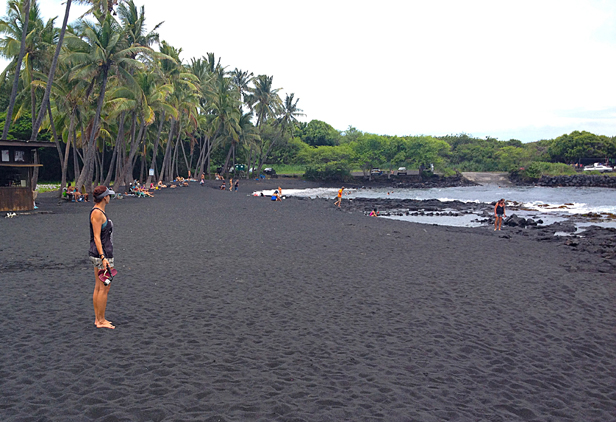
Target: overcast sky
527	70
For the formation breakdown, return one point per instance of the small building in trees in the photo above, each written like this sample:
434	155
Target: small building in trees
17	162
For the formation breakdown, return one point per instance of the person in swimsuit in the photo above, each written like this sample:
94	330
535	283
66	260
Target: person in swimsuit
101	252
339	200
499	213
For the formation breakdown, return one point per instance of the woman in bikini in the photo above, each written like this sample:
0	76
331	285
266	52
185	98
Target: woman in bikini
101	252
499	213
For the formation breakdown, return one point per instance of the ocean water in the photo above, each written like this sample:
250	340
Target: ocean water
548	204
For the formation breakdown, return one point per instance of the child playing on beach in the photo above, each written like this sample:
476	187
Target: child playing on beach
374	213
339	201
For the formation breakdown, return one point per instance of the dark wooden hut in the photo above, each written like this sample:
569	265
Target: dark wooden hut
17	163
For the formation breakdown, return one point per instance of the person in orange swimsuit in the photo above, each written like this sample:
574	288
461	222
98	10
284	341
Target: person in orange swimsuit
339	200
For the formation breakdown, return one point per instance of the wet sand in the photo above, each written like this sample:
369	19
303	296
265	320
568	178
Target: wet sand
235	308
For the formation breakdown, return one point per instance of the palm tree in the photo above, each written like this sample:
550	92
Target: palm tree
101	49
288	117
266	105
241	79
17	23
264	98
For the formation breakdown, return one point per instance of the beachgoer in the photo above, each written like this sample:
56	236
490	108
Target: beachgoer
202	181
223	186
279	191
374	213
70	192
499	213
101	252
339	200
275	196
230	184
237	184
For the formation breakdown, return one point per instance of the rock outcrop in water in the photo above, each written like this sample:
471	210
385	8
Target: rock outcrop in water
576	180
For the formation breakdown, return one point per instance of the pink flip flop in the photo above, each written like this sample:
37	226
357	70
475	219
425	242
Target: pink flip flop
106	276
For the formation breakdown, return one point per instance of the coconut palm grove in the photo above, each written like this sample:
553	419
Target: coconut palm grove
117	101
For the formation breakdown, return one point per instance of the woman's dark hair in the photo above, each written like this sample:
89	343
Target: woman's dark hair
98	191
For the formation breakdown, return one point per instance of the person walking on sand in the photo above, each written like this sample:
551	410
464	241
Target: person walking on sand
237	184
499	213
231	184
101	252
339	200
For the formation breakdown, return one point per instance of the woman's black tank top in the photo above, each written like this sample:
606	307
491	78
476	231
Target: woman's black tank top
106	237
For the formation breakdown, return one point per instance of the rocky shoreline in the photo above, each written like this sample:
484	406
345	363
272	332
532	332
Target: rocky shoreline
595	240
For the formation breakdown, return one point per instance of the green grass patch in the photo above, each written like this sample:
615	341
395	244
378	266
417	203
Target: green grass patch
289	168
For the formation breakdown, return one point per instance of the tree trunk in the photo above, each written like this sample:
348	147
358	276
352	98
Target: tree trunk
127	175
75	159
90	154
224	169
59	148
54	64
174	161
185	159
22	51
36	170
114	156
155	149
67	152
166	157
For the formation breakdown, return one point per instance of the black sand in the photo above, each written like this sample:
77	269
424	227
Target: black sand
234	308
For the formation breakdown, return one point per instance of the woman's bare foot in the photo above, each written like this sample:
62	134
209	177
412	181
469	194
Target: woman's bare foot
105	324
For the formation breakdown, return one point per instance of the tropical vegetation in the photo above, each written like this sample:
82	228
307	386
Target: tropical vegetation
118	101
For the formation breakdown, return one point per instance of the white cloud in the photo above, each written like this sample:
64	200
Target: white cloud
409	67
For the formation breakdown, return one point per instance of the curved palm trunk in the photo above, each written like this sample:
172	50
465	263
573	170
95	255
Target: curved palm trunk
89	159
155	149
54	64
22	51
67	152
166	158
174	157
114	157
127	174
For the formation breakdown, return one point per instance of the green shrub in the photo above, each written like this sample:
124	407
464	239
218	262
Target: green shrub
536	169
334	171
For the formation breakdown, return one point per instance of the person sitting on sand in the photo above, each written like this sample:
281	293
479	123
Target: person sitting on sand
499	213
160	185
70	192
374	213
223	186
275	196
339	200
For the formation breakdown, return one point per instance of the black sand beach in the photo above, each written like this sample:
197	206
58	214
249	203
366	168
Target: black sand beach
236	308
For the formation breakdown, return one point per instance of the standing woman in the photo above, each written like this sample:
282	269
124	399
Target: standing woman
101	252
499	213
